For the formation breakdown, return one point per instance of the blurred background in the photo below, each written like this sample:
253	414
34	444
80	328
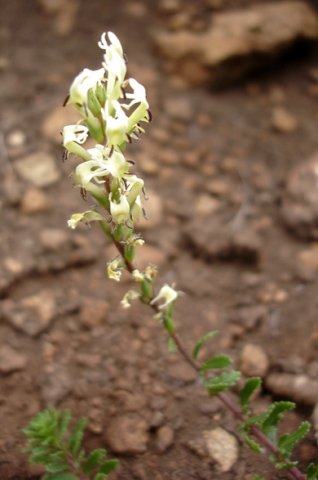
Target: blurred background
230	162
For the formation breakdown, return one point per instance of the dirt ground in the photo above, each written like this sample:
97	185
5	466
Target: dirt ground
219	167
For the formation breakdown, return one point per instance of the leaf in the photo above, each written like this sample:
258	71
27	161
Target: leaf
312	472
247	391
94	460
64	421
109	466
222	382
57	467
75	440
250	442
100	476
201	342
275	413
171	345
219	361
288	441
60	476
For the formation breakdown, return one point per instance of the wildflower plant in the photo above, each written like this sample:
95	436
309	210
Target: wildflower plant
113	112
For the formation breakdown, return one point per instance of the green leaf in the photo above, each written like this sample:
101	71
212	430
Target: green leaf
222	382
288	441
109	466
219	361
247	391
75	440
312	472
274	414
64	421
94	460
201	342
100	476
60	476
57	467
250	442
171	345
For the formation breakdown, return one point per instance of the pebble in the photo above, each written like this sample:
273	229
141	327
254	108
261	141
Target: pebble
206	205
11	360
33	201
127	434
93	312
300	199
182	372
38	168
56	383
54	239
156	420
253	361
33	314
11	188
165	438
299	388
250	316
283	121
308	258
222	448
16	138
55	121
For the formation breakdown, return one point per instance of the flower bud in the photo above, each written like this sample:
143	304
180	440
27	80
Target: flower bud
120	211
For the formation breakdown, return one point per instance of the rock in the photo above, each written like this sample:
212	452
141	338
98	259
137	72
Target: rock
56	383
93	312
214	238
254	361
55	121
222	448
34	201
11	188
283	121
127	434
308	259
16	138
206	205
154	211
299	388
250	316
38	168
54	239
32	314
179	108
238	40
11	360
165	438
300	200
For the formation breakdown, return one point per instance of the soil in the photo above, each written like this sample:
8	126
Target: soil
216	166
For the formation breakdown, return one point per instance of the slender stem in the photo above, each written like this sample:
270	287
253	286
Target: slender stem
293	472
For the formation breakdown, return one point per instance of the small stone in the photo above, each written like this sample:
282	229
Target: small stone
154	211
93	312
16	138
157	420
222	448
32	314
13	266
300	199
56	383
54	239
207	205
283	121
182	372
165	438
11	360
219	187
299	388
12	189
179	108
34	201
55	121
127	434
38	168
253	361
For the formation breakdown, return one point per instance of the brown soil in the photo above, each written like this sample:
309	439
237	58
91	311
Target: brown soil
217	164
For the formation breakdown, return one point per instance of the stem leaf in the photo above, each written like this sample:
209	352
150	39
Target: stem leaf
201	342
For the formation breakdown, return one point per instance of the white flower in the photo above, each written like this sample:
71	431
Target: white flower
86	217
141	112
82	83
167	294
73	136
128	297
115	269
116	123
120	210
114	63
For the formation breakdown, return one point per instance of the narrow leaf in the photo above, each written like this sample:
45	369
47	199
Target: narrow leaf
201	342
109	466
275	412
171	345
219	361
288	441
222	382
250	442
247	391
64	422
57	467
94	460
75	440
